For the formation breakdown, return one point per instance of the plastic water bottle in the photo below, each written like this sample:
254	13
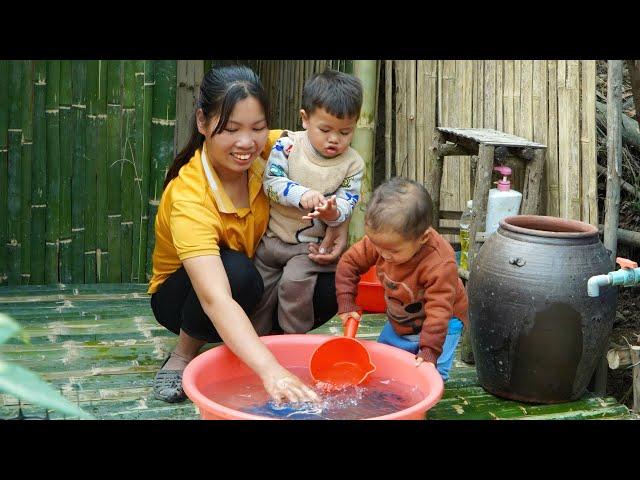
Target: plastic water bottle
465	225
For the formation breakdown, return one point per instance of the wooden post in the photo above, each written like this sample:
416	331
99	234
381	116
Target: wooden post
614	169
533	178
480	198
635	361
614	156
432	182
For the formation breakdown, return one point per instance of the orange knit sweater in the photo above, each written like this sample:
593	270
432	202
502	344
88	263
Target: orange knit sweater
422	295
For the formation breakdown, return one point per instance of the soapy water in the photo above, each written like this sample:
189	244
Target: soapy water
376	397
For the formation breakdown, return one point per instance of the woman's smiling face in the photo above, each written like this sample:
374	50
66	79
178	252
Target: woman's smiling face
233	150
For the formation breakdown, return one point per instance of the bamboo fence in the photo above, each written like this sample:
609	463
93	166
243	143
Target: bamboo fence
85	145
547	101
79	145
282	79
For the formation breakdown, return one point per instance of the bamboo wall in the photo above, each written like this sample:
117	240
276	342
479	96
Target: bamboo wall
85	145
283	80
548	101
84	148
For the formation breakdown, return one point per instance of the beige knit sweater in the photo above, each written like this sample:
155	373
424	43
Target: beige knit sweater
293	168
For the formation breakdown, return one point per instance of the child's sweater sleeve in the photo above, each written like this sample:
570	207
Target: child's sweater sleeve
353	263
439	299
276	183
347	195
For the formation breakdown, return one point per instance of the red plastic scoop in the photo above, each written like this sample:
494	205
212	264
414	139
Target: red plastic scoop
342	361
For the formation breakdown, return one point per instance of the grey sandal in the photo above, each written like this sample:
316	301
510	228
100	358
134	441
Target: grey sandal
167	385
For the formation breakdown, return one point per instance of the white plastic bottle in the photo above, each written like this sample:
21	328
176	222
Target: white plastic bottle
503	202
465	225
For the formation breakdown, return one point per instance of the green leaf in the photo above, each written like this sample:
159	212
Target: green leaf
8	328
27	386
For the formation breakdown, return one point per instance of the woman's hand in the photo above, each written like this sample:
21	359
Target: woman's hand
282	385
332	246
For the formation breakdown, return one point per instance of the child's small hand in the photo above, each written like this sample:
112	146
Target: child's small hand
312	199
328	211
420	361
345	316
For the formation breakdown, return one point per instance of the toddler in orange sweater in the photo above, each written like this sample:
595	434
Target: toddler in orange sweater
426	301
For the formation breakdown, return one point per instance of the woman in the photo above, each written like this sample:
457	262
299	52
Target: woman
211	216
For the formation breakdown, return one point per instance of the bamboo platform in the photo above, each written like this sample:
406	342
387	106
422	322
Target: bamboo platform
101	347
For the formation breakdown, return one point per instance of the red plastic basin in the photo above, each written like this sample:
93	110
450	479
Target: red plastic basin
371	293
219	364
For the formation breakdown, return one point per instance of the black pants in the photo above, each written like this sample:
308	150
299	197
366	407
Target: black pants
176	306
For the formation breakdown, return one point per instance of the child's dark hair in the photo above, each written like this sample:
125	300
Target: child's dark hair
220	90
340	94
400	205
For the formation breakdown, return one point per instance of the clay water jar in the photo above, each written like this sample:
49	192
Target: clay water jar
536	334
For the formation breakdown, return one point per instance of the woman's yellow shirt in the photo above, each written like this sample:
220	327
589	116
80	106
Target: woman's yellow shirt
197	219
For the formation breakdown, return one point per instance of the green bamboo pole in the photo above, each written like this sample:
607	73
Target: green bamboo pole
162	133
348	66
91	204
127	172
52	113
364	141
137	200
4	166
27	161
39	178
65	241
114	135
102	243
147	115
78	183
14	174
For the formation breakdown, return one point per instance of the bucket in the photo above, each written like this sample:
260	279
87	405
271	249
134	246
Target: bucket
370	295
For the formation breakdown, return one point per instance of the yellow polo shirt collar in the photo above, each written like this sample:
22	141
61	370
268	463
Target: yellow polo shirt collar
220	197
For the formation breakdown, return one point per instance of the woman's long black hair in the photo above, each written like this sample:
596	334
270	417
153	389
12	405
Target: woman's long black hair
220	90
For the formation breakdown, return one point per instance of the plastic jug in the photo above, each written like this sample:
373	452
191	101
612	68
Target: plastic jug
503	202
